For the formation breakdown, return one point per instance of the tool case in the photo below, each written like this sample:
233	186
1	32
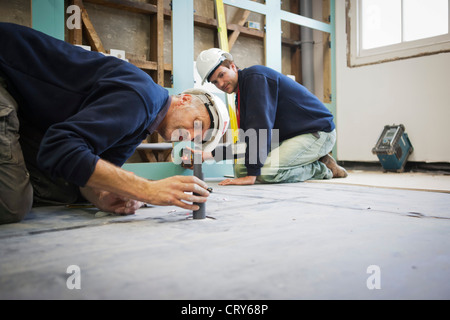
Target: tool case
393	148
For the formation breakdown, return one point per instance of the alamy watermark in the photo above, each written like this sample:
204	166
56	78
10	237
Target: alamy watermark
74	280
74	19
374	280
256	142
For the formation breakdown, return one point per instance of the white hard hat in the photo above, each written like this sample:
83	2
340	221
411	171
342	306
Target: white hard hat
209	60
219	117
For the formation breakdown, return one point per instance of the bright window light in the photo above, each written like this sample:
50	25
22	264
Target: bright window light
389	30
388	22
424	19
381	23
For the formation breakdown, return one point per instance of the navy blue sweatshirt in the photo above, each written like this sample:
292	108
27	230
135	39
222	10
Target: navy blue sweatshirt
270	100
89	106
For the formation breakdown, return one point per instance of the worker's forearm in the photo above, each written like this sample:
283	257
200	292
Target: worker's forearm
108	177
178	190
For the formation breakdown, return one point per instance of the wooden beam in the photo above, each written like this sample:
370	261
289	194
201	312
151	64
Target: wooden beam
209	23
132	6
157	41
327	86
91	34
252	33
157	54
296	54
147	156
199	21
147	65
233	37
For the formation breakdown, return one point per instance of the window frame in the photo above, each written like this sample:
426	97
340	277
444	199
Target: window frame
404	50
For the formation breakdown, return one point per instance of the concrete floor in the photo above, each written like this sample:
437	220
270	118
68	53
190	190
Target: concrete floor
286	241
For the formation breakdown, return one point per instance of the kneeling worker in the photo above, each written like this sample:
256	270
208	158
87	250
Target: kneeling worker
267	100
81	116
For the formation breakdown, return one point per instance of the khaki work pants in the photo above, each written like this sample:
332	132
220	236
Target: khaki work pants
22	183
296	159
16	192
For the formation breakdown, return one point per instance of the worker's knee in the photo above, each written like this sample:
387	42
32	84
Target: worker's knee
11	217
15	208
270	178
16	198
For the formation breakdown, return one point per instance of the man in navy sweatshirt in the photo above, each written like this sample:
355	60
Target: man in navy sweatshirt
81	116
268	100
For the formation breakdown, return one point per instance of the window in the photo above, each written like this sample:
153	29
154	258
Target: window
386	30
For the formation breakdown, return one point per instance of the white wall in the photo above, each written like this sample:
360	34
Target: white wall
414	92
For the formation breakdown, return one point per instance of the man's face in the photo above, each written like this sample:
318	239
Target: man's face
225	79
179	122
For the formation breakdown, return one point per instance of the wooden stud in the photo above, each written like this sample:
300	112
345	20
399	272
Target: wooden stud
296	54
327	86
147	156
233	37
131	6
157	41
147	8
91	34
157	55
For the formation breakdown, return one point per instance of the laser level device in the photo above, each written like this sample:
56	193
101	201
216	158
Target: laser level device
393	148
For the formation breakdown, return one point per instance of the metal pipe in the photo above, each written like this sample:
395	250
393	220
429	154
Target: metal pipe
307	46
198	171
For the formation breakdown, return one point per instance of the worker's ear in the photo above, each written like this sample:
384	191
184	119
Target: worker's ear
186	98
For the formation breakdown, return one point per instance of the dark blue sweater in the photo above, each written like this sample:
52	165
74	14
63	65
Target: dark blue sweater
89	106
270	100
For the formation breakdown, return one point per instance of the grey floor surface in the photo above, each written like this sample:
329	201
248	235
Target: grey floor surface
286	241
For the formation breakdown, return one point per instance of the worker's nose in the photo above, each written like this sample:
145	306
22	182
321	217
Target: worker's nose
224	85
219	84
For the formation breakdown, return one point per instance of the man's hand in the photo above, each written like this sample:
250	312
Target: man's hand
110	202
176	191
181	191
248	180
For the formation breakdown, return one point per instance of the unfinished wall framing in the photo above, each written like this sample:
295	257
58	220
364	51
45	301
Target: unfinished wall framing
151	62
